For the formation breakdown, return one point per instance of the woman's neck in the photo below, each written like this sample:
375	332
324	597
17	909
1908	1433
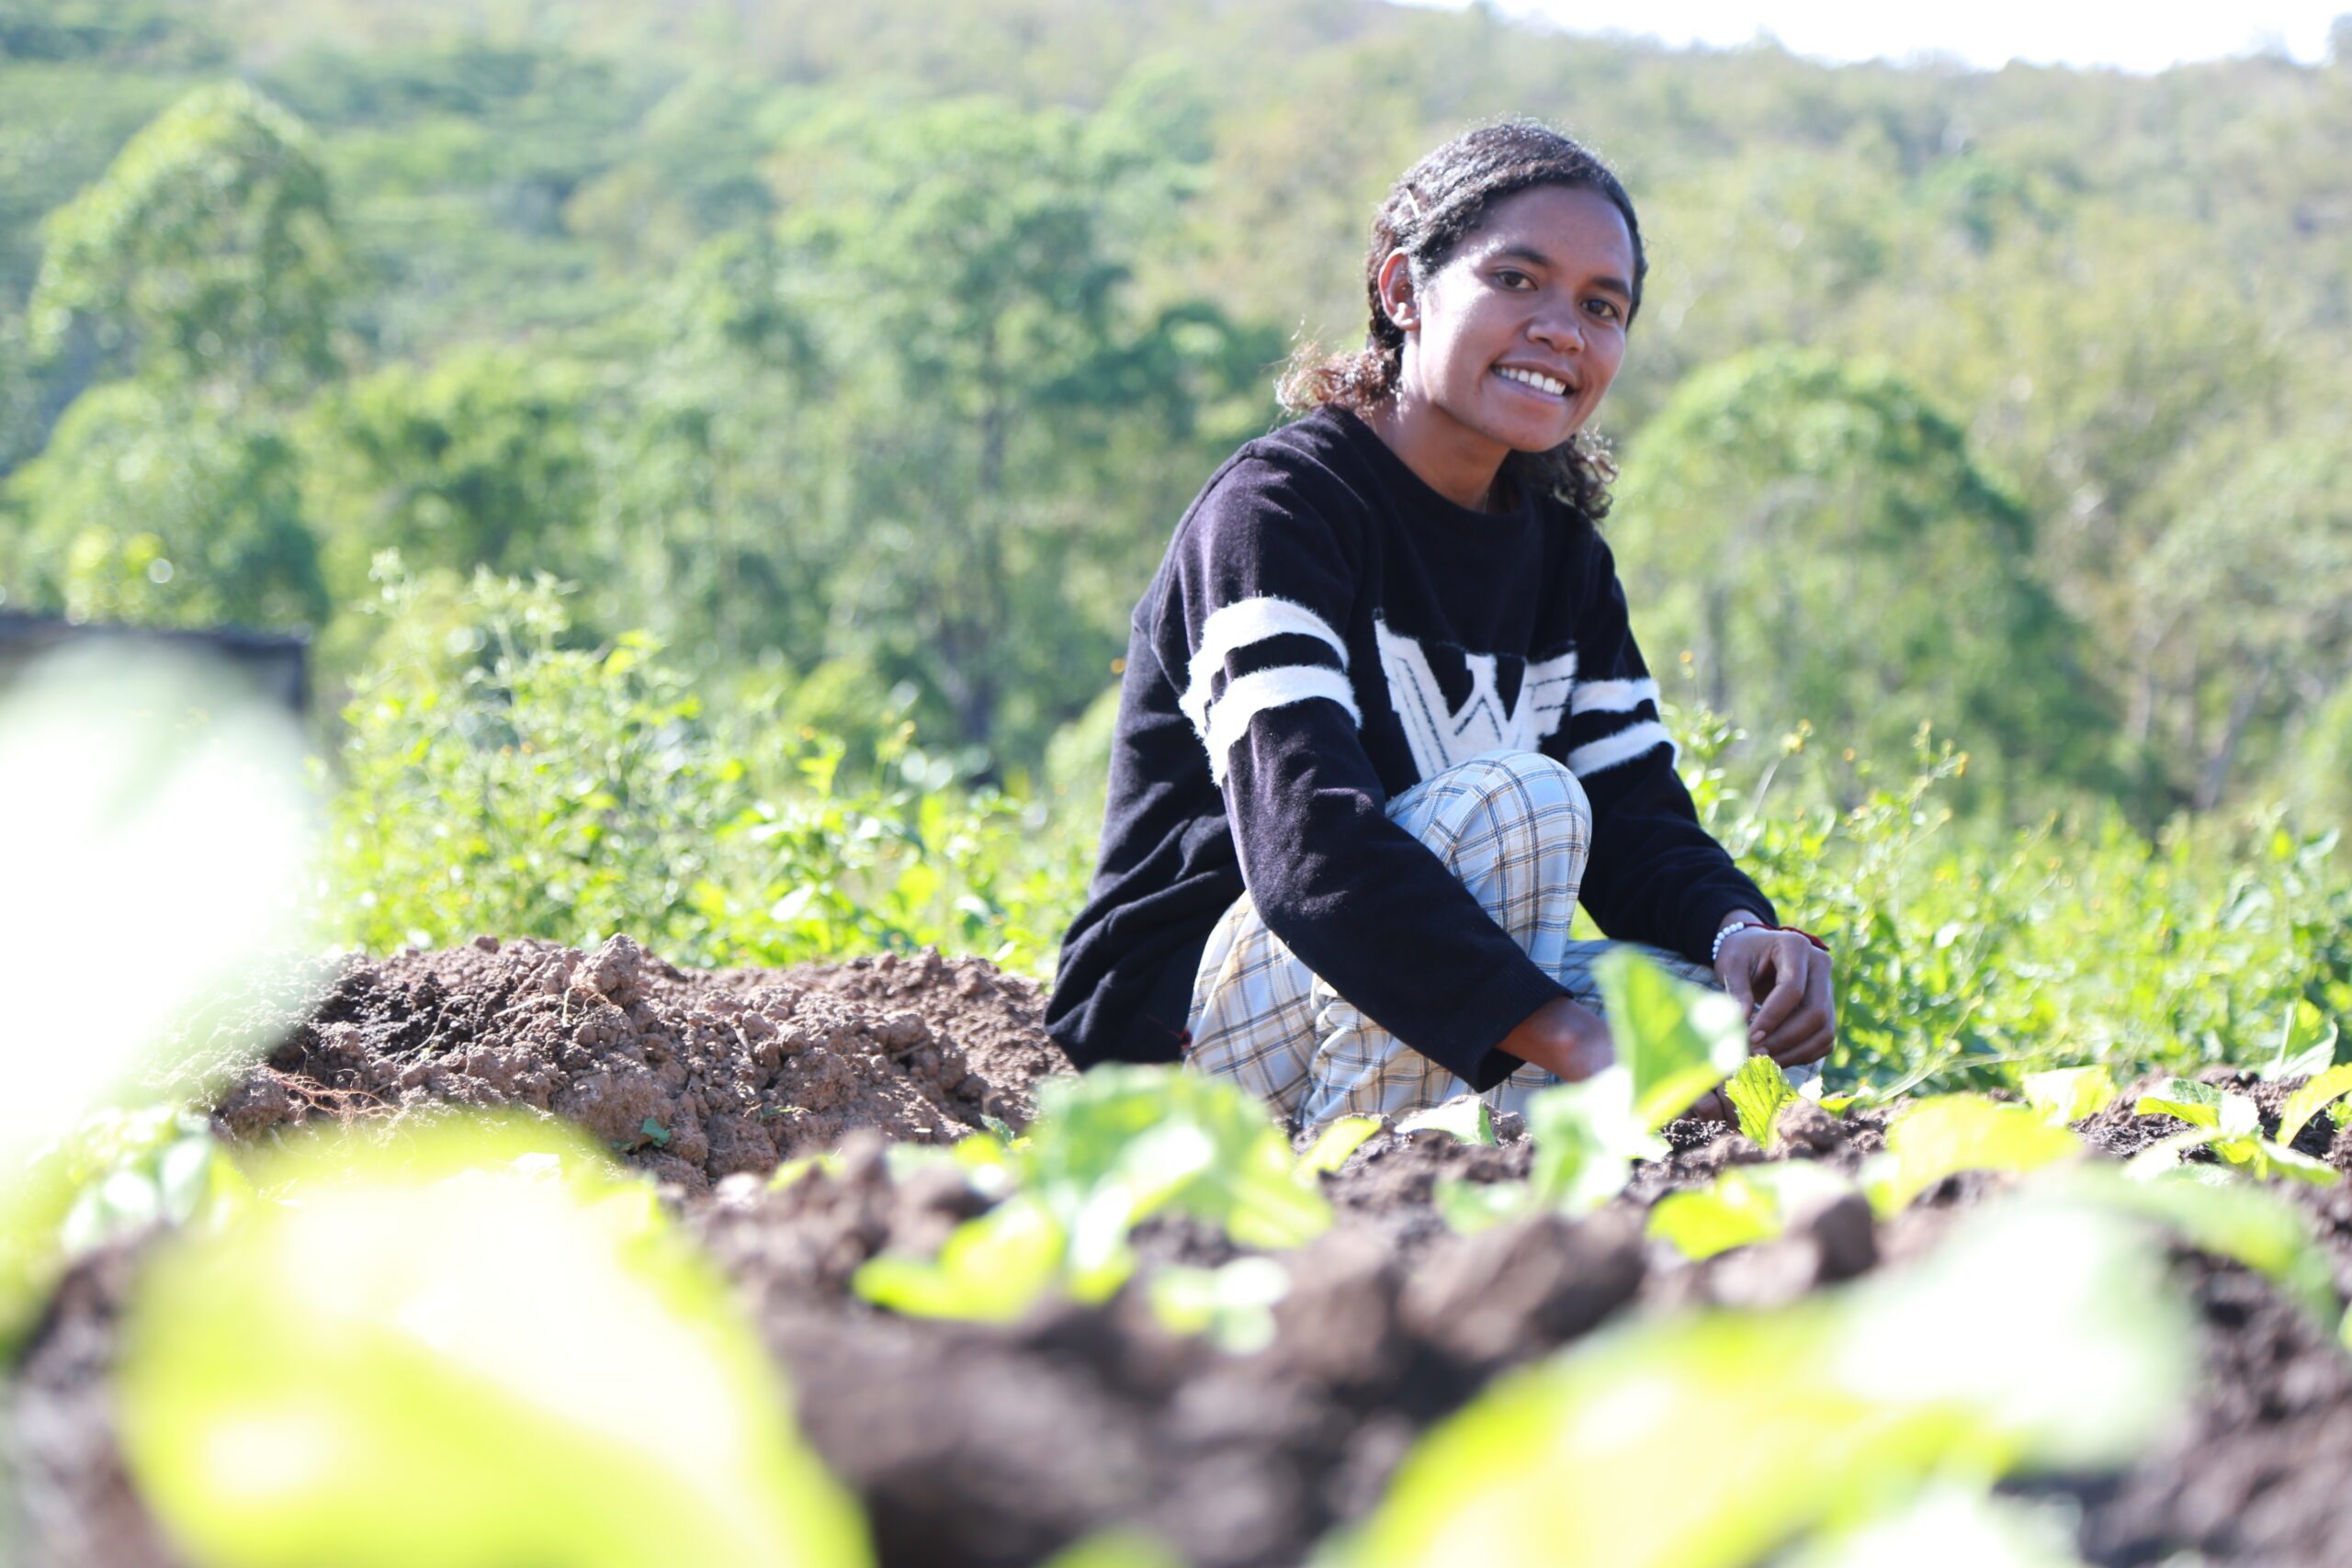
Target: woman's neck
1458	464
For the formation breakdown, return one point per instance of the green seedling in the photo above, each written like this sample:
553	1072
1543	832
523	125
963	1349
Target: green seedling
1675	1042
1468	1207
2323	1092
1759	1092
2248	1225
2069	1094
1337	1142
1233	1306
1465	1117
653	1130
1713	1440
1744	1205
1954	1133
441	1352
2230	1125
1109	1150
2306	1048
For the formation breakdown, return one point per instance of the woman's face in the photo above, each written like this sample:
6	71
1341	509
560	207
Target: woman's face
1513	341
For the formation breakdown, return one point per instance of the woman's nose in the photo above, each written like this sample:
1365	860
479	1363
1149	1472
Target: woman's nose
1560	330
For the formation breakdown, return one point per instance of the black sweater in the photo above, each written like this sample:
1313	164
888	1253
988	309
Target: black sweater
1325	631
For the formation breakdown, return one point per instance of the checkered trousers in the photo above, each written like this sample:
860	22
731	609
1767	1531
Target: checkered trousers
1514	827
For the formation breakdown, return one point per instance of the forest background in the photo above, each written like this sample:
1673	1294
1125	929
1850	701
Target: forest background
715	448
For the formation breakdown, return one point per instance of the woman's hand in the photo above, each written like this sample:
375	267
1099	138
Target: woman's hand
1782	981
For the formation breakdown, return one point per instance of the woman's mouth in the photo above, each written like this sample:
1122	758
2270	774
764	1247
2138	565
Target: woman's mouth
1534	381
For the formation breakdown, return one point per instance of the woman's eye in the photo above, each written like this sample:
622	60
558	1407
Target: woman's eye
1510	278
1605	309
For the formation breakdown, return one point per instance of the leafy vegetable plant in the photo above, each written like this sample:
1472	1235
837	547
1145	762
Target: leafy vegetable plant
1709	1441
1108	1149
1675	1042
2230	1125
2069	1094
1745	1205
1953	1132
476	1348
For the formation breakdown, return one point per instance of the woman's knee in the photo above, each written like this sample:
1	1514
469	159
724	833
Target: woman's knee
1545	782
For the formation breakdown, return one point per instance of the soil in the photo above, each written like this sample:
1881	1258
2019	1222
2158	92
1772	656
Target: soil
997	1446
691	1075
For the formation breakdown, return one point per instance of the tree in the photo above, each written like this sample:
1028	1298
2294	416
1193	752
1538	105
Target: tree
482	459
1824	546
154	506
1011	422
2242	609
208	251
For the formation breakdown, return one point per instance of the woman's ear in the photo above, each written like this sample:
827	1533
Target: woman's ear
1398	295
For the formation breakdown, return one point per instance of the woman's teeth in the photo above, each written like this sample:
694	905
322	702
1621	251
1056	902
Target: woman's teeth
1537	379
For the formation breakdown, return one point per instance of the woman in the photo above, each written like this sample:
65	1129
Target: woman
1382	723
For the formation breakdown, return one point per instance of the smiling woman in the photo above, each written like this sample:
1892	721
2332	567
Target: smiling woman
1383	724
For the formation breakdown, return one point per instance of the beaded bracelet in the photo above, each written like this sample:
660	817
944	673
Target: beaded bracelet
1716	953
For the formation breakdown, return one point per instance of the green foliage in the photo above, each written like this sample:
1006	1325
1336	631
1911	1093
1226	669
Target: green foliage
154	506
498	778
2256	1226
1745	1205
1964	950
1757	1092
1955	1133
1465	1117
1337	1142
2324	1090
1912	609
383	1365
1678	1039
2065	1095
2230	1125
1111	1148
1695	1441
209	249
1232	1304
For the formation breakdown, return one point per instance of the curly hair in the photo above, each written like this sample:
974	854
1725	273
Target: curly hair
1429	212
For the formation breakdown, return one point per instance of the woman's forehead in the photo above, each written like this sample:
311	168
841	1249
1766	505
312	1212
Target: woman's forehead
1573	228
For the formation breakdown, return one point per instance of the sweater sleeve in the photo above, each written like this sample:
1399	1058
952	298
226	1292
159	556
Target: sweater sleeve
1252	633
1654	874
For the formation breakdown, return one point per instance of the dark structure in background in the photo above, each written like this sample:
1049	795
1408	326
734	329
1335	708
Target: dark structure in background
278	665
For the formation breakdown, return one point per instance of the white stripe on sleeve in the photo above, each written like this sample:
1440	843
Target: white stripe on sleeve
1612	696
1255	693
1236	626
1622	747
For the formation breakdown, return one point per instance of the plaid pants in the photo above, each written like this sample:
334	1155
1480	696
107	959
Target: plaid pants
1514	827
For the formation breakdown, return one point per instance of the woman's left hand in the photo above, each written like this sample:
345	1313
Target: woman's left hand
1782	982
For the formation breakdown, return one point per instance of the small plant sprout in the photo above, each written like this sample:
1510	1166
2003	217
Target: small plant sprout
1953	1132
1337	1142
2306	1046
1745	1205
2321	1093
2230	1125
1675	1042
1233	1306
1108	1150
1759	1092
2066	1095
1465	1117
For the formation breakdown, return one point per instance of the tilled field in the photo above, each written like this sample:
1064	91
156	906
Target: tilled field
979	1445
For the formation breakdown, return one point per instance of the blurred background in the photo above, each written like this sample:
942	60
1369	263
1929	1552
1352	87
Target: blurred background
667	422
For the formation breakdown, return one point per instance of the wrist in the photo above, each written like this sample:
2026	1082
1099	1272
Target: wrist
1563	1037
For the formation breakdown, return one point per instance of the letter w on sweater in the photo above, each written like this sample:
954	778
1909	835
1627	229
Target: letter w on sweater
1441	733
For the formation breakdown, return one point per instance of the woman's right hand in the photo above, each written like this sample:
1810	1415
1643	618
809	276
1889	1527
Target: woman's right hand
1564	1037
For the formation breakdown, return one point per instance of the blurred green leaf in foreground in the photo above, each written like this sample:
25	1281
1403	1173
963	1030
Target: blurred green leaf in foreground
475	1346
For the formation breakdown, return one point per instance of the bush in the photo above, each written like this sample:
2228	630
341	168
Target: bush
497	779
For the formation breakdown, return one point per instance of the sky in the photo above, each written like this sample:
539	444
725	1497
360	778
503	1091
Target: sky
2147	35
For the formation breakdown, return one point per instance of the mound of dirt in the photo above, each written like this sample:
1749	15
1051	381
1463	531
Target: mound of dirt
692	1075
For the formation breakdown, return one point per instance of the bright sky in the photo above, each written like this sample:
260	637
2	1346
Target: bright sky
2145	36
